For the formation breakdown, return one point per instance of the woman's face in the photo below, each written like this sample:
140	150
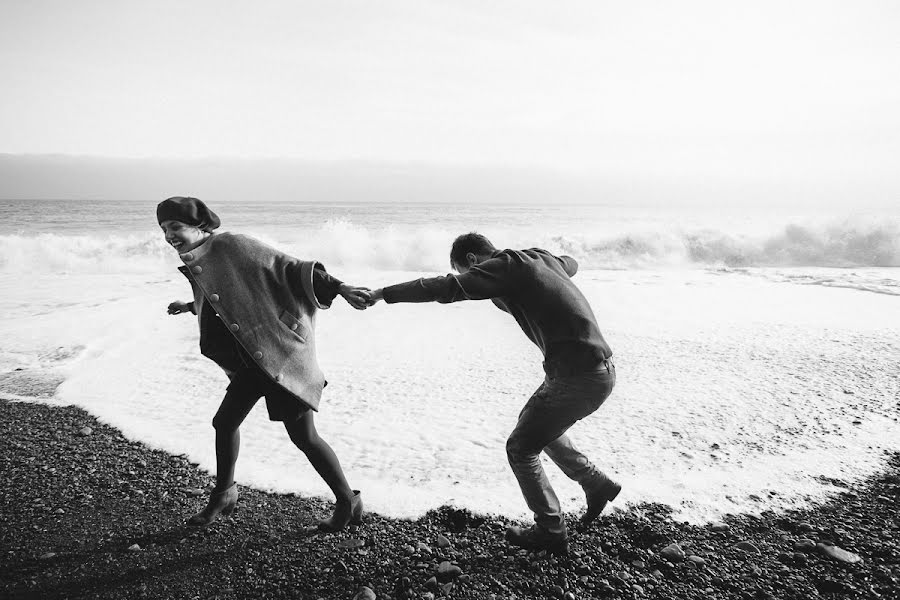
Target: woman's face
181	236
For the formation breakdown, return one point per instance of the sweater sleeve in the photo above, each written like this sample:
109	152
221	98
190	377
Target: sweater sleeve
569	264
492	278
325	286
309	279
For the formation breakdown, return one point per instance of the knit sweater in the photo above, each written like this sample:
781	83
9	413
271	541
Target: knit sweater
536	288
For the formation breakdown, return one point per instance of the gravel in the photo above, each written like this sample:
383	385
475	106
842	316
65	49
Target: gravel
121	534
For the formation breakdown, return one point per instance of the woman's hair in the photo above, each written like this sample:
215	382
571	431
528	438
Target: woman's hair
469	242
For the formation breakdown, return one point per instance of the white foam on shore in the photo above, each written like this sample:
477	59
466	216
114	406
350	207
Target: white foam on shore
596	242
735	393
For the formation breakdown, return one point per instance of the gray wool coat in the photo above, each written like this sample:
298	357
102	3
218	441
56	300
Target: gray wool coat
266	299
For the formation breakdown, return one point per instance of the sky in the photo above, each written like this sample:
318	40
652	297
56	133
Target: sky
782	92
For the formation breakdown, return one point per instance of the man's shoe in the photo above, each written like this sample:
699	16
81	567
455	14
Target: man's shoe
538	538
597	499
345	513
221	502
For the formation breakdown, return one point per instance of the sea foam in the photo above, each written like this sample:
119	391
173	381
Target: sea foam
344	243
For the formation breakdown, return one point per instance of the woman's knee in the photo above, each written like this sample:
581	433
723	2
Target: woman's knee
302	434
223	424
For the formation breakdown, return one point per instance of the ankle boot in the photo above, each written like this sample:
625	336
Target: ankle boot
344	513
597	497
538	538
220	502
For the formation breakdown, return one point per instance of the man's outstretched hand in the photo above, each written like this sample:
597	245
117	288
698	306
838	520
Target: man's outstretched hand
374	296
357	297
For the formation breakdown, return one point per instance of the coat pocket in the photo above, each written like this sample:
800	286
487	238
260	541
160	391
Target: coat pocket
294	325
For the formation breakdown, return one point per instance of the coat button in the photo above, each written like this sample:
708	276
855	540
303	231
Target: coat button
257	355
198	269
234	327
187	256
214	297
293	326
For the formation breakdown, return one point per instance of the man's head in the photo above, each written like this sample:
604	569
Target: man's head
470	249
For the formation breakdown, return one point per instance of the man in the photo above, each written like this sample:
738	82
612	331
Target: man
535	287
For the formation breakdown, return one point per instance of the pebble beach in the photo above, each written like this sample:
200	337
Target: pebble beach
87	513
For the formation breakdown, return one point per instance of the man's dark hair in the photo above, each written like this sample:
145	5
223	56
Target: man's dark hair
469	242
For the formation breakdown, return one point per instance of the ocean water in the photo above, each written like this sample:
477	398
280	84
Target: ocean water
756	352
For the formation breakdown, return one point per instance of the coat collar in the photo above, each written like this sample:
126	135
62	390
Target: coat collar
198	252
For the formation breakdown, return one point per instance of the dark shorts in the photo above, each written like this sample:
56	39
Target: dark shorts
247	386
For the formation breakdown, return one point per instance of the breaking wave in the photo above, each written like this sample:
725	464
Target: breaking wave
407	248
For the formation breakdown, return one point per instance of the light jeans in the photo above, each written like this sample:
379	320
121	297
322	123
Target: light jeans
556	405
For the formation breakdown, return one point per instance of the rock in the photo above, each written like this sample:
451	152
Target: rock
408	549
747	547
428	596
447	588
432	583
134	548
85	431
800	558
719	526
569	596
637	589
804	545
697	560
60	511
805	527
365	593
638	563
672	552
47	555
657	574
442	542
831	586
838	553
464	578
446	571
423	547
351	543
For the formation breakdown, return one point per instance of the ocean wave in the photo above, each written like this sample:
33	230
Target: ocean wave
98	253
343	243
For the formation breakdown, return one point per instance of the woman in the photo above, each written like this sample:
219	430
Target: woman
257	308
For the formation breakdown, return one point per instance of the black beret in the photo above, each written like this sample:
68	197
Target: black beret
187	210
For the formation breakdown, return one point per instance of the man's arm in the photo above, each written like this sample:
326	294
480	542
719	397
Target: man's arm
491	279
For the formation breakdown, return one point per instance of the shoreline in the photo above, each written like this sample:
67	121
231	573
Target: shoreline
88	513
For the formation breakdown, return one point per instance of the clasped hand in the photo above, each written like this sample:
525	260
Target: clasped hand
361	298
